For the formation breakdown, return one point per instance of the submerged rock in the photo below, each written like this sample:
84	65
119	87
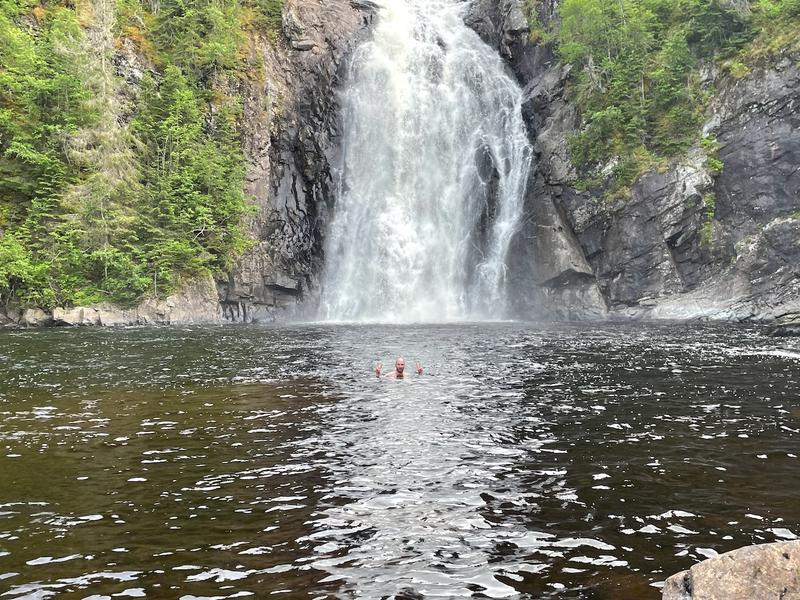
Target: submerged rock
763	572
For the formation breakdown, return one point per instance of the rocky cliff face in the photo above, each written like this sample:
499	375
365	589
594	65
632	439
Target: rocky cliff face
290	140
551	277
687	243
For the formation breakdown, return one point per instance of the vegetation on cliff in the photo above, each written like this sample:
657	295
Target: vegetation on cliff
110	190
638	72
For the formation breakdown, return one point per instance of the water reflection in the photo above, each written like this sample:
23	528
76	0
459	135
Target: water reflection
414	471
575	462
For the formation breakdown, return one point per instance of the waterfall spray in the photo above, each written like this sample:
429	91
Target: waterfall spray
435	160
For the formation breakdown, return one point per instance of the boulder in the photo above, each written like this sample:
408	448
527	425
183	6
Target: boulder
763	572
35	317
10	315
304	45
196	302
110	316
79	315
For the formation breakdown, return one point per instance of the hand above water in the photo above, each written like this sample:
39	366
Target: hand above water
378	367
418	367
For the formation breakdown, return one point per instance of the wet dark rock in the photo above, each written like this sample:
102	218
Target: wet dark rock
364	5
408	594
291	130
760	572
304	44
501	24
9	317
786	326
550	276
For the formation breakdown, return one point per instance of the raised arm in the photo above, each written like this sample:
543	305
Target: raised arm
418	367
378	368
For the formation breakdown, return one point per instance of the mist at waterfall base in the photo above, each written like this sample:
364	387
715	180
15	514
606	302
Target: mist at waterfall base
435	160
571	462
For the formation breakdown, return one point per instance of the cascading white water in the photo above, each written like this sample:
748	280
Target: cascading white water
435	160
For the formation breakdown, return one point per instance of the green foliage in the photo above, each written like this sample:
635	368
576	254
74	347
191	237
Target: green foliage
538	32
737	69
636	73
711	146
269	13
41	103
716	28
193	180
201	38
776	23
16	267
92	209
707	230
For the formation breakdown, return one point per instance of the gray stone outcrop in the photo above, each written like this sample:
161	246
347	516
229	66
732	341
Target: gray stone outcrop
78	315
763	572
786	326
197	302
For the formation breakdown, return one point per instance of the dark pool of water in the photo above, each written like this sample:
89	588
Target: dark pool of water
529	462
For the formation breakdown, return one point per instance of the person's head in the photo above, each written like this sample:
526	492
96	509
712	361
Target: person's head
400	364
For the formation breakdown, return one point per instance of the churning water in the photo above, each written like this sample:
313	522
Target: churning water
434	168
567	462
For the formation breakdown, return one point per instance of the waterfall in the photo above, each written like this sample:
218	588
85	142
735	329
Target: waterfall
435	160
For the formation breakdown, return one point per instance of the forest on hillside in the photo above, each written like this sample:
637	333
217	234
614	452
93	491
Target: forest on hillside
107	190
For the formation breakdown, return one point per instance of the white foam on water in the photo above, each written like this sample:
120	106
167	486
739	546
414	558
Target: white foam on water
681	530
781	354
707	552
649	529
45	560
132	593
782	533
577	542
220	575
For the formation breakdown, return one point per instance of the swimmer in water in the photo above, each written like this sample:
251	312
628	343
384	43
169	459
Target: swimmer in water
399	369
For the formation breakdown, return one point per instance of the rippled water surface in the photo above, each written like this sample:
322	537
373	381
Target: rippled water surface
528	462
